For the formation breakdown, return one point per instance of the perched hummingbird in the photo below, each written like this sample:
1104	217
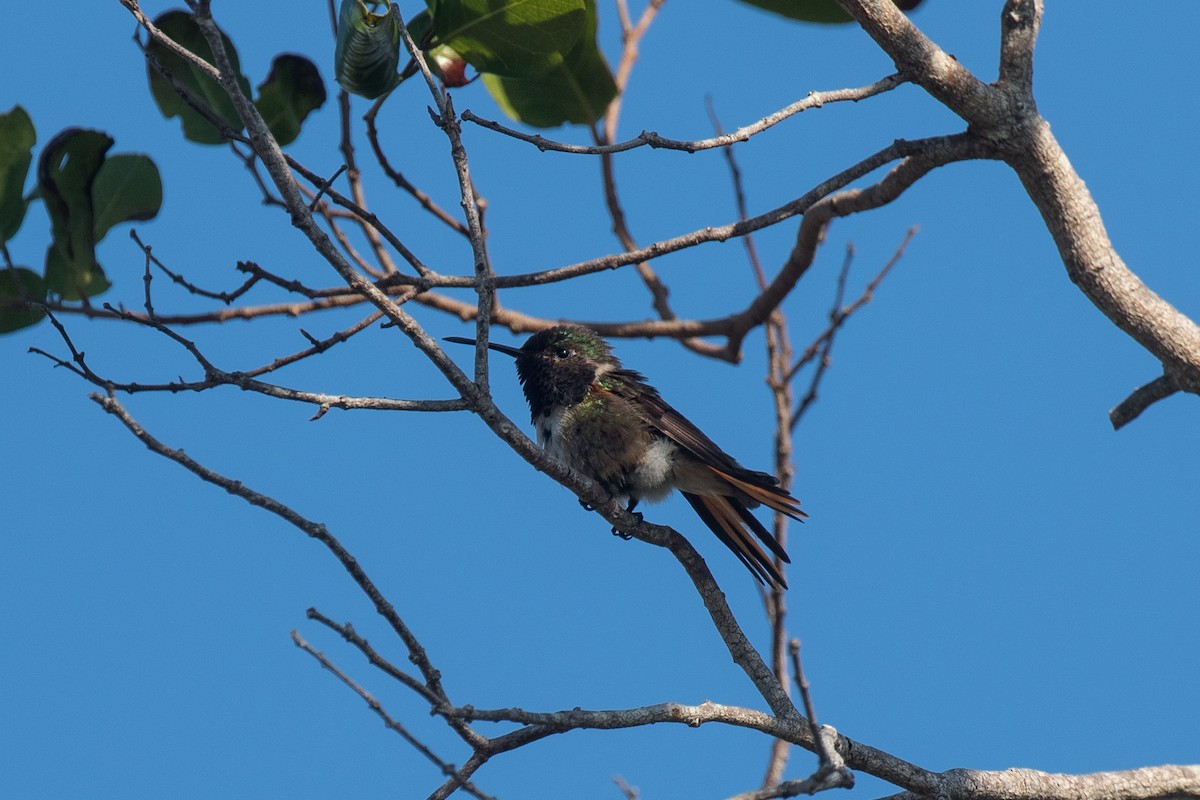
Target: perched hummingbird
608	423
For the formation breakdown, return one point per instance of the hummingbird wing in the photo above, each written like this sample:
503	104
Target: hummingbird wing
725	514
758	486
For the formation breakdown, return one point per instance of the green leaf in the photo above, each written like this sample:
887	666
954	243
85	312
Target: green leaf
17	284
366	57
126	188
292	90
17	138
67	170
578	90
514	38
824	11
201	90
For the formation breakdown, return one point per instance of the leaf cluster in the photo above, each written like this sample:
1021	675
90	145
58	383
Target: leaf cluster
291	91
539	58
85	191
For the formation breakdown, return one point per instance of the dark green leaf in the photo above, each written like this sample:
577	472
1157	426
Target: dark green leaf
577	90
366	58
292	89
17	138
127	187
514	38
824	11
201	90
16	285
67	169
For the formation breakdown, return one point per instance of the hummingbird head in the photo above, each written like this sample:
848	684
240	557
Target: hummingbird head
556	366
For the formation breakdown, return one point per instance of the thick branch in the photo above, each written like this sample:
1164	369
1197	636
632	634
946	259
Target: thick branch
1146	783
1073	219
922	61
1006	116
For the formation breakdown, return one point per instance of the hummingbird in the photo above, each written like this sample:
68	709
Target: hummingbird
608	423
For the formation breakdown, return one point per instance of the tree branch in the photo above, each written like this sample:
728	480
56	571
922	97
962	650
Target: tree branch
651	139
1167	782
1142	398
1006	116
392	724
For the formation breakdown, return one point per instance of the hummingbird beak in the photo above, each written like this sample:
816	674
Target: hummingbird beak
499	348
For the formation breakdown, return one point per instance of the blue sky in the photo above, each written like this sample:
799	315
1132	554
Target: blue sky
991	576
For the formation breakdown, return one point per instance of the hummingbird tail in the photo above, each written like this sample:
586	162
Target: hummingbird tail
729	519
771	496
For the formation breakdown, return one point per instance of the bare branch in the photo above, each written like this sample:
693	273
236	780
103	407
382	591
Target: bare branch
214	376
354	179
924	63
392	724
459	777
1167	782
314	530
1142	398
1006	115
831	772
1019	22
347	632
822	345
795	730
398	178
651	139
920	156
224	297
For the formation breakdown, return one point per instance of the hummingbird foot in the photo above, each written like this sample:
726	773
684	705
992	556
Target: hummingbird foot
589	507
636	514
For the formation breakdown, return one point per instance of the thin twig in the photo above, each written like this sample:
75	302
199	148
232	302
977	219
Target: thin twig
325	186
630	792
214	377
314	530
398	178
823	752
444	767
652	139
838	315
357	193
837	318
224	297
350	635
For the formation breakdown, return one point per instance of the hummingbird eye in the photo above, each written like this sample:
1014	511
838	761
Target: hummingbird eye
562	352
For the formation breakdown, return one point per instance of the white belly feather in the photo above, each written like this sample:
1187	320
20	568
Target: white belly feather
548	426
655	476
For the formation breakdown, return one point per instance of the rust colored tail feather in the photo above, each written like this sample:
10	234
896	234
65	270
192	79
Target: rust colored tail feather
730	521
